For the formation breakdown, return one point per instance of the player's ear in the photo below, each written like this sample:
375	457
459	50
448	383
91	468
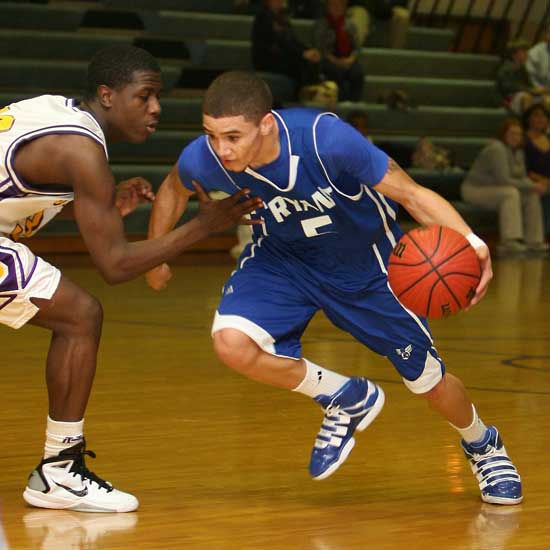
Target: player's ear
105	96
266	124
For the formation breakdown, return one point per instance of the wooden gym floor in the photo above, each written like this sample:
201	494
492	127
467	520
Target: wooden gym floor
219	462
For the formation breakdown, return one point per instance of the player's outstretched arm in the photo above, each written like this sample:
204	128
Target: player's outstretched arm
100	223
170	204
429	208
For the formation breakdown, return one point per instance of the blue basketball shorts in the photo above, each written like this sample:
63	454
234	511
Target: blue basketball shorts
272	303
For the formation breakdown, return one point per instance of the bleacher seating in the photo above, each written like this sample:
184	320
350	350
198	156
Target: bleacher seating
45	48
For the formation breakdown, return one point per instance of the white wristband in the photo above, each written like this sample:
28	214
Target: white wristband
475	241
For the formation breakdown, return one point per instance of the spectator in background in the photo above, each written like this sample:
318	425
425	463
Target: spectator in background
307	9
358	13
398	17
513	82
429	156
537	154
538	65
393	11
498	181
336	39
277	49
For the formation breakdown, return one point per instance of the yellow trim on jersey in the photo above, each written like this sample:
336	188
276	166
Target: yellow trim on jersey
6	121
32	223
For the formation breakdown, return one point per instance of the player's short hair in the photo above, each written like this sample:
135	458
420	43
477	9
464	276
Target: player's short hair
114	66
236	93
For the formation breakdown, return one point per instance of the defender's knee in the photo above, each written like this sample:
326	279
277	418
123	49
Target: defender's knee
87	315
235	349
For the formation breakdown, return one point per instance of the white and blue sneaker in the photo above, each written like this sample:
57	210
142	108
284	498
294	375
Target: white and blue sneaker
353	407
498	478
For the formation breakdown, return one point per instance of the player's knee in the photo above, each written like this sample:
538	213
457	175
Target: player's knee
88	315
235	349
428	382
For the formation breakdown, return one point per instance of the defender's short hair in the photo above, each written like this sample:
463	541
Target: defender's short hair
114	66
236	93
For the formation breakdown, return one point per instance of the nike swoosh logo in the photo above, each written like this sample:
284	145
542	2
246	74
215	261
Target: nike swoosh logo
81	493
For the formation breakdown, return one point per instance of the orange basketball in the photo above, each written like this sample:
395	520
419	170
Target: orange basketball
434	271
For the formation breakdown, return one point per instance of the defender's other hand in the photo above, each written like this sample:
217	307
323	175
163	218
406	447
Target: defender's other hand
131	192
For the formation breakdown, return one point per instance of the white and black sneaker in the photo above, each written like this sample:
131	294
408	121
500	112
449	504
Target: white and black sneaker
64	482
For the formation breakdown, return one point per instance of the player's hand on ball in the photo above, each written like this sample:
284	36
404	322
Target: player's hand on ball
486	274
158	277
130	193
219	215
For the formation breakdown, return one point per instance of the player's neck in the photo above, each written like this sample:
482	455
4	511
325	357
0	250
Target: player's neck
269	150
96	112
88	107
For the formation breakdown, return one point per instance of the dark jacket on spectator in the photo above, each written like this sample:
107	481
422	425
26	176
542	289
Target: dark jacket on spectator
273	40
277	49
512	79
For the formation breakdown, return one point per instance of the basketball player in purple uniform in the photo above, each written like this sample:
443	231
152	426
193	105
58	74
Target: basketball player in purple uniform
54	151
329	225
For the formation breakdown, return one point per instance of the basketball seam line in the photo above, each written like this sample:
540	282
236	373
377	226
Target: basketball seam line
435	268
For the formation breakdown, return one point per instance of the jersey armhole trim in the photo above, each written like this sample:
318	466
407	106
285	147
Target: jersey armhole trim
30	136
314	130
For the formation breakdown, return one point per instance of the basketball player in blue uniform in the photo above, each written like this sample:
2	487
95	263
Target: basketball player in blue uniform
54	151
329	210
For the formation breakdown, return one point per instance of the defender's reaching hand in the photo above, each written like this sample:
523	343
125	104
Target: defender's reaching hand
219	215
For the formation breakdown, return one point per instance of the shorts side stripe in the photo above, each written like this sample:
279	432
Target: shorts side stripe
413	315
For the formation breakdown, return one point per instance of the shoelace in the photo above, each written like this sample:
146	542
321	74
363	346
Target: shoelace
336	411
491	452
79	468
333	410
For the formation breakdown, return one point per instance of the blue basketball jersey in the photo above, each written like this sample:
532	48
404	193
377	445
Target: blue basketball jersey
320	212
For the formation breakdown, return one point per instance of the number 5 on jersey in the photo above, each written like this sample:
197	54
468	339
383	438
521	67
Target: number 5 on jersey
312	225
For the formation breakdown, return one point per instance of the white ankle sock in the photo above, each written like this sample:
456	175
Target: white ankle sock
320	381
475	431
62	435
